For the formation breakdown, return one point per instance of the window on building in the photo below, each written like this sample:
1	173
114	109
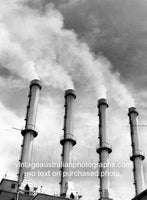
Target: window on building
13	199
13	185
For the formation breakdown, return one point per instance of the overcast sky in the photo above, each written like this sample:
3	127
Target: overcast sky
97	47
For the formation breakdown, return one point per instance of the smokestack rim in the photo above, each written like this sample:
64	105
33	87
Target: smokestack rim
36	82
104	146
137	153
70	92
102	101
25	131
68	138
132	110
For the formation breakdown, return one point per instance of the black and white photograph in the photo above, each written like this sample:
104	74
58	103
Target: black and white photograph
73	99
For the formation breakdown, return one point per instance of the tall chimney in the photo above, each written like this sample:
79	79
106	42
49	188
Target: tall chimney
29	132
103	149
67	141
137	155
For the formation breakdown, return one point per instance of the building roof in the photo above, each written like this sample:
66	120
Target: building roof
5	179
48	197
141	195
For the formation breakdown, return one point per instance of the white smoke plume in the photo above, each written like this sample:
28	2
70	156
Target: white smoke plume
34	42
13	57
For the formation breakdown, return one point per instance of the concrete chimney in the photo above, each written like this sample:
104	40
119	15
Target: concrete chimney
103	149
67	141
137	155
29	132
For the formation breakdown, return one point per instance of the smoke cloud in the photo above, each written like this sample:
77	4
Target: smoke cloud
36	42
13	57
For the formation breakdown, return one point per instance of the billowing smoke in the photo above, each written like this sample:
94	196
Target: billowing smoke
36	42
12	56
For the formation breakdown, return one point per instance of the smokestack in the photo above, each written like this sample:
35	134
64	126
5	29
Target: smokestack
137	155
67	141
29	132
103	149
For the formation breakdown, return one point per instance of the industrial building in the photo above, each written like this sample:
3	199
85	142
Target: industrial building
141	196
20	189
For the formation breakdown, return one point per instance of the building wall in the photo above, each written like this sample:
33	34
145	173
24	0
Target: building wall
8	185
25	197
13	196
7	196
8	191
